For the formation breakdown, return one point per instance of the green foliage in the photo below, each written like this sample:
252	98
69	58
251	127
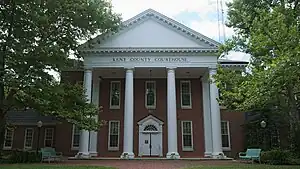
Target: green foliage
21	156
269	32
38	37
279	157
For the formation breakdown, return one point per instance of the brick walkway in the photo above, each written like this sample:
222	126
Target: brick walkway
147	164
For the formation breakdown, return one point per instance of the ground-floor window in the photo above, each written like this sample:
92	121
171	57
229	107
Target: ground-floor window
8	138
225	135
75	137
28	138
187	135
113	137
48	140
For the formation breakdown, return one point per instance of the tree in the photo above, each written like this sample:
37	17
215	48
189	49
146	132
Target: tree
37	36
270	32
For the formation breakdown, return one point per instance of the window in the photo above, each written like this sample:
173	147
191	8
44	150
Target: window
150	94
115	90
75	137
225	135
8	139
185	94
48	140
28	138
113	138
187	136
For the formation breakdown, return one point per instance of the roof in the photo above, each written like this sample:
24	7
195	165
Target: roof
231	63
170	23
28	117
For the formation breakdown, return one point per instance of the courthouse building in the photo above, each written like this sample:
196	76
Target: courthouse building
152	80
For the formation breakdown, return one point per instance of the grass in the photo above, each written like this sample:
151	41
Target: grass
246	166
34	166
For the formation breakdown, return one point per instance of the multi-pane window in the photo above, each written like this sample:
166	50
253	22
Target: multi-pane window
185	94
150	94
187	135
8	139
28	140
114	132
75	137
225	135
115	90
48	140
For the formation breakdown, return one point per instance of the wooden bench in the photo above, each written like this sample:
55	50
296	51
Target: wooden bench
49	154
251	154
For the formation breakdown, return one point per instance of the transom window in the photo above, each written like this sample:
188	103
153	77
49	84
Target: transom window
185	94
75	137
187	135
115	90
225	135
113	138
8	138
28	138
48	140
150	94
150	127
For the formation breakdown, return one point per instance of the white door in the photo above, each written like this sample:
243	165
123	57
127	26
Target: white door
150	144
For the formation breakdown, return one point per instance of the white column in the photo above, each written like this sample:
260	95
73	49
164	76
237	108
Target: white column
172	115
215	118
128	116
84	134
206	116
94	134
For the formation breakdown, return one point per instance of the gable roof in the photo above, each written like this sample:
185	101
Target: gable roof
162	19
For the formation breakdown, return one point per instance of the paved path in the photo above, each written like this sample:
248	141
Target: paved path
147	164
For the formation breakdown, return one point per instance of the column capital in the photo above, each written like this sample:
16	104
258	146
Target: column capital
171	69
129	69
89	70
212	71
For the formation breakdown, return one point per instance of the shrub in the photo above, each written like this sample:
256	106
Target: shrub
279	157
20	156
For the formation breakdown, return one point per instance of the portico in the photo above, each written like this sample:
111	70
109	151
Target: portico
171	53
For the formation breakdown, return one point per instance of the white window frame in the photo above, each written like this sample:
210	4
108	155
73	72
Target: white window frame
181	99
110	95
12	139
154	84
73	133
25	136
192	136
45	136
109	147
228	133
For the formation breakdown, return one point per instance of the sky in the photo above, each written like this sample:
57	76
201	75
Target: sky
200	15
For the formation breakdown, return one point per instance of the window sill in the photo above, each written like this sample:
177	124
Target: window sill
113	149
151	107
7	148
226	148
188	149
114	107
186	107
75	148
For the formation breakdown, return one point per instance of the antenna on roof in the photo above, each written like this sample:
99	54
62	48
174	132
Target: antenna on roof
223	22
221	19
219	31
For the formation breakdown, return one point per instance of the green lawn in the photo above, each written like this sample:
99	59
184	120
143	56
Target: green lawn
246	166
34	166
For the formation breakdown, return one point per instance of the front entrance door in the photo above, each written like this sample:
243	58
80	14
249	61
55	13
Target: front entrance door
150	144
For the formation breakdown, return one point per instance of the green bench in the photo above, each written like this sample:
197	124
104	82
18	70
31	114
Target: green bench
251	154
49	154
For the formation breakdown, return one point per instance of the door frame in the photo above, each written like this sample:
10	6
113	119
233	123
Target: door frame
150	120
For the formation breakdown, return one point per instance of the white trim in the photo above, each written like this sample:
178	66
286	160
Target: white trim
192	136
228	133
110	95
73	133
108	143
25	136
45	136
190	93
12	139
154	84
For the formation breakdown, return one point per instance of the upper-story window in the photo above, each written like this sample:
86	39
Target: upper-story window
185	94
115	93
150	94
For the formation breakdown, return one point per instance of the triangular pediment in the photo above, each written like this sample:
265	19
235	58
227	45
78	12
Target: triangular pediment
150	118
151	29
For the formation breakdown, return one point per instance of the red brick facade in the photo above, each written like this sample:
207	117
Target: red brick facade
63	131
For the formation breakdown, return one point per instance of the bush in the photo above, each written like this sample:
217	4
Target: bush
20	156
279	157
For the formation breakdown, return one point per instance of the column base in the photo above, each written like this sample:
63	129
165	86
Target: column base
127	155
93	153
173	155
207	154
218	155
82	155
